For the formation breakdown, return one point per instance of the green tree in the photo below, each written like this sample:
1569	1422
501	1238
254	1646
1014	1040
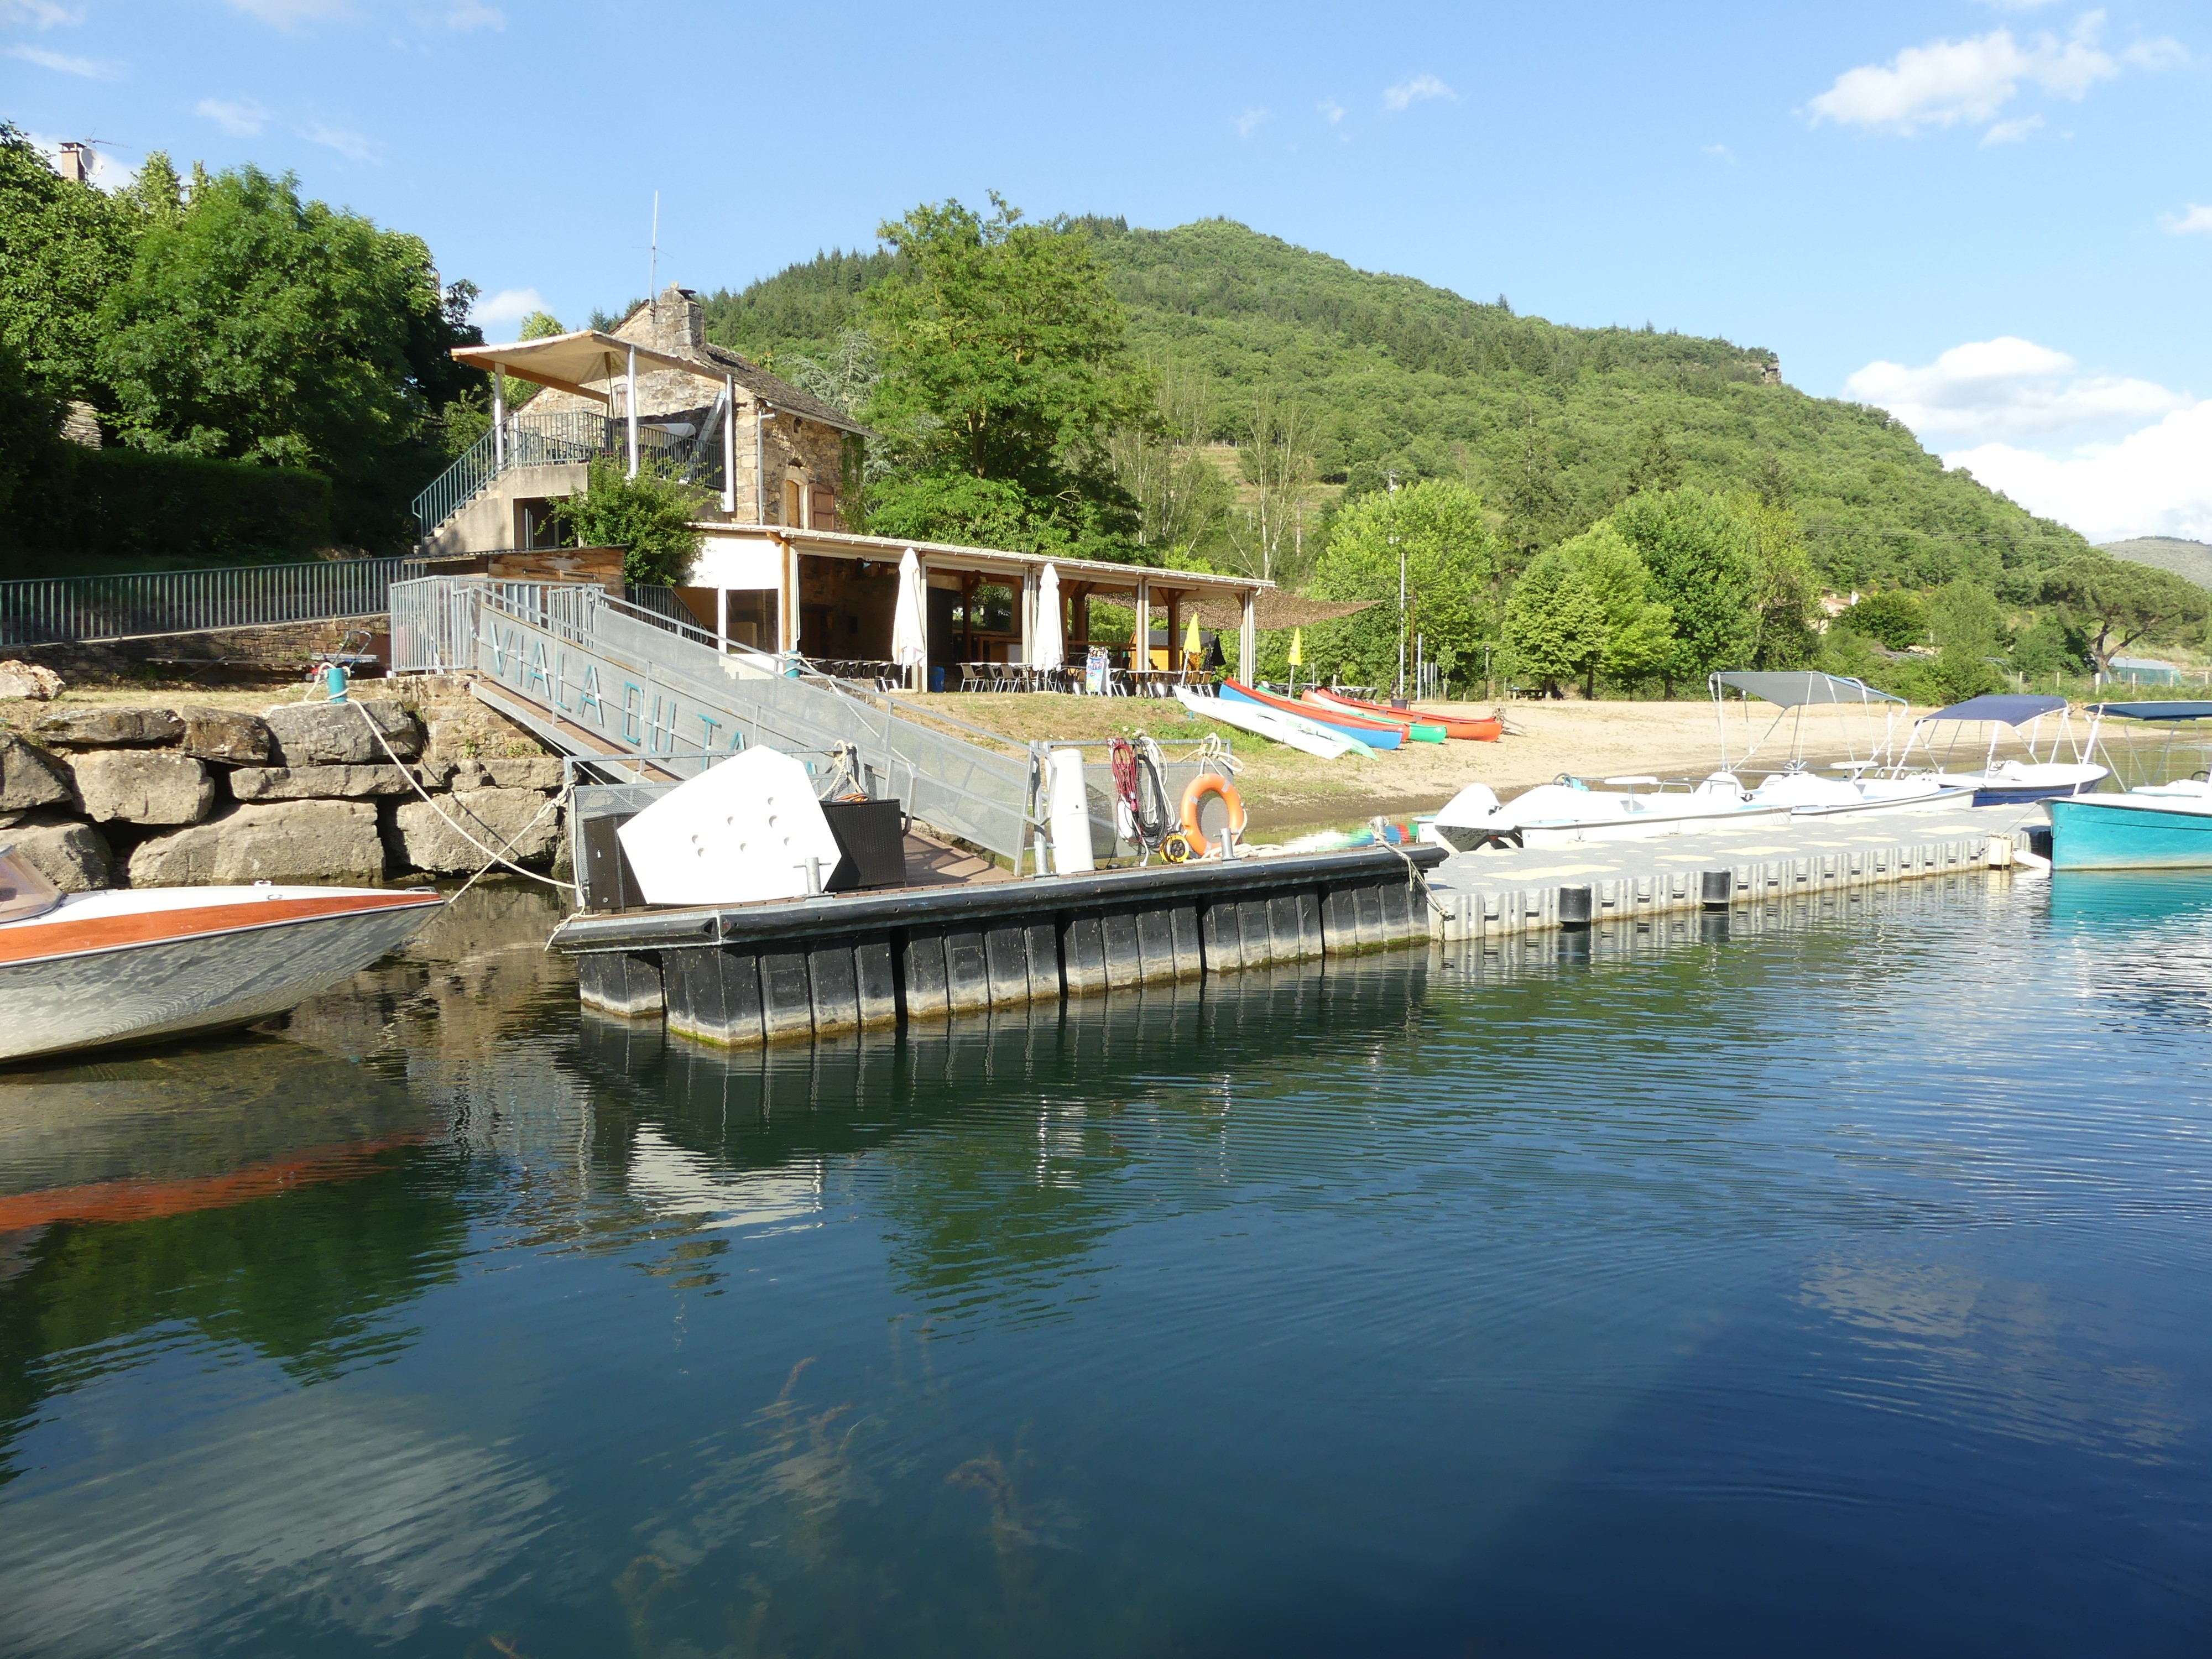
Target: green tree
649	517
1002	358
1654	469
1531	492
1897	619
29	421
62	247
258	326
1704	569
1965	615
2117	604
1788	592
1555	625
1639	630
1451	564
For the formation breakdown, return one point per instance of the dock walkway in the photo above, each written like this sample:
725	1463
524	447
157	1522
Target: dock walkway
1497	891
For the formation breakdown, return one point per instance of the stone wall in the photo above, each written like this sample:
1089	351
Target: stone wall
97	795
277	647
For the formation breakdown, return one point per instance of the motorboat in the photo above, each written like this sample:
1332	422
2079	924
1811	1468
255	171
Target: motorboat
2156	826
1373	733
90	970
1568	811
1861	787
1452	726
2043	774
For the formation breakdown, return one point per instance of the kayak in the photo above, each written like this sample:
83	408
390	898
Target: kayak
1373	733
1418	729
1307	736
1455	725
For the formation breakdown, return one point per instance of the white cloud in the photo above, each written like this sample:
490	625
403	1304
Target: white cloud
1249	121
1331	111
242	117
1948	81
1419	89
1721	153
2012	132
37	14
504	311
90	69
1996	391
2155	481
290	14
2197	222
354	146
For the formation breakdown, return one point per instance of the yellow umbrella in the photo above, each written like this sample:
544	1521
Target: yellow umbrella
1297	647
1194	648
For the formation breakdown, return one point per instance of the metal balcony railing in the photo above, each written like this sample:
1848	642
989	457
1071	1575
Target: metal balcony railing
564	438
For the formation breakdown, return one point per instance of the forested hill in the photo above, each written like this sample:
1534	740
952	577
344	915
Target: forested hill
1552	422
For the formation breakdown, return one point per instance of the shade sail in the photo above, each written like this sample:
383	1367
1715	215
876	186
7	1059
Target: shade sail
566	361
1795	688
2005	709
2155	711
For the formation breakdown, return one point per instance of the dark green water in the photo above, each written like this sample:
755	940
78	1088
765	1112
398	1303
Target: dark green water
1837	1286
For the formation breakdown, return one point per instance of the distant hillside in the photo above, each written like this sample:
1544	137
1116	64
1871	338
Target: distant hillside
1401	374
2184	558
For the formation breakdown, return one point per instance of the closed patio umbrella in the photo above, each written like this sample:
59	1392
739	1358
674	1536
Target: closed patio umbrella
1049	653
910	630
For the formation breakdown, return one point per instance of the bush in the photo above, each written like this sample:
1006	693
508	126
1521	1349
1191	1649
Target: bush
648	517
1896	619
128	506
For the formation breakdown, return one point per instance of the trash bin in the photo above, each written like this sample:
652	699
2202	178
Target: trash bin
937	677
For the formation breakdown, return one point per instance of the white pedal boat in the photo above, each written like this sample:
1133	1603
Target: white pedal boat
89	970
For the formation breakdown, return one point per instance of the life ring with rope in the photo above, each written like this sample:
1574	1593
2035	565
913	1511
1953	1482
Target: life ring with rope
1193	801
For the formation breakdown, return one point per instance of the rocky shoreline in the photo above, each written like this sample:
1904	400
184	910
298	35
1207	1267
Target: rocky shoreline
102	795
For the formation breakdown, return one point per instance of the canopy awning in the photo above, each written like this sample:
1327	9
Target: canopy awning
566	361
1275	609
2155	711
1794	689
2005	709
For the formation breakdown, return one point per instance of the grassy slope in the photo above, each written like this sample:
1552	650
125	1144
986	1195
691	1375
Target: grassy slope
2184	558
1399	374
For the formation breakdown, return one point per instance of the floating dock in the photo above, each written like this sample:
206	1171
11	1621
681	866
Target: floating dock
748	975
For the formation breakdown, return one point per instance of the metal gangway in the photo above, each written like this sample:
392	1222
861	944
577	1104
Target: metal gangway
600	679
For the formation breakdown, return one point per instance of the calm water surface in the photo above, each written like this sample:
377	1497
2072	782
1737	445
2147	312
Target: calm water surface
1839	1286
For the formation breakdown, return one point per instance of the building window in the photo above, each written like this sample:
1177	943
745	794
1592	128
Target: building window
751	620
536	526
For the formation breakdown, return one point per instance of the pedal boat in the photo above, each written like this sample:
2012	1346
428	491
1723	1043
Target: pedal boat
92	970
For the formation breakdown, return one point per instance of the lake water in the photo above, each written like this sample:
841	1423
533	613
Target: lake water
1839	1284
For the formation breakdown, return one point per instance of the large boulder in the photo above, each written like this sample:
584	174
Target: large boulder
30	680
493	816
226	734
96	727
72	856
30	777
319	782
334	734
143	785
316	841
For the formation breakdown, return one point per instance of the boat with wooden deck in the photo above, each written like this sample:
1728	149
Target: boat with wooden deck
90	970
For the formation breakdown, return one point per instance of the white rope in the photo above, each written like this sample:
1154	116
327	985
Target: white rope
497	857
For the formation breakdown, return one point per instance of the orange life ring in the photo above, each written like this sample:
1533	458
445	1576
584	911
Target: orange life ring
1205	784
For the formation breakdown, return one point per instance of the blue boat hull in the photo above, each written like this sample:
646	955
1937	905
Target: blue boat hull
2025	794
1374	736
2099	833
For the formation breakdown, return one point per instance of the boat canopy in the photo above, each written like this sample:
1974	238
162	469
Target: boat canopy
2004	707
2155	711
1796	689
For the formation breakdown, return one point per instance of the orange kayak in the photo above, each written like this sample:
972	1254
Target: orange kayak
1472	730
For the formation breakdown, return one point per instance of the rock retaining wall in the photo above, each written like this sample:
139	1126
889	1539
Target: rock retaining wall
98	795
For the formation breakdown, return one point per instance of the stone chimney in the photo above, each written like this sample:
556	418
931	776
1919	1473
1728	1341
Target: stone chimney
678	319
75	163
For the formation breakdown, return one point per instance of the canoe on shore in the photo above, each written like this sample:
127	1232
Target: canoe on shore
1374	734
1454	725
1309	735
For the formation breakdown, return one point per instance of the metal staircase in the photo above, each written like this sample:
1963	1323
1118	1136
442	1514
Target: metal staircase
563	438
597	678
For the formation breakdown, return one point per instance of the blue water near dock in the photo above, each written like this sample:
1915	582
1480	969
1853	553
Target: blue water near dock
1837	1288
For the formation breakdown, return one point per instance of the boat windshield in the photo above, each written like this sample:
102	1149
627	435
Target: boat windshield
23	891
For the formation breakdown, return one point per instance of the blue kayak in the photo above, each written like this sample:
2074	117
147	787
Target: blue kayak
1373	733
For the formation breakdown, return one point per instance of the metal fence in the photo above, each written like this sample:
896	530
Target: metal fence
66	608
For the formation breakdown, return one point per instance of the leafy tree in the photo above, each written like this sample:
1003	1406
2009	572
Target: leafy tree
2117	604
1656	468
1182	499
258	326
1451	561
1531	493
1555	624
62	247
1003	359
649	517
1639	630
1787	594
29	421
1897	619
1964	616
2047	647
1704	568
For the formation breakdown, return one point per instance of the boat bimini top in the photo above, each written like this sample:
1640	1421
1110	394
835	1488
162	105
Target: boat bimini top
2155	711
2003	708
1793	691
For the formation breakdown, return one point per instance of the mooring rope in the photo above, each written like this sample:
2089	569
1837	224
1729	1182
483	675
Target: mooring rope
498	856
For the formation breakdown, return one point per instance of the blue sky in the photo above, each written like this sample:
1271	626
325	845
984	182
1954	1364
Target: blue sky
1994	218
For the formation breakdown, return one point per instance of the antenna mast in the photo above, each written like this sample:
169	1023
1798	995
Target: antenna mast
653	265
